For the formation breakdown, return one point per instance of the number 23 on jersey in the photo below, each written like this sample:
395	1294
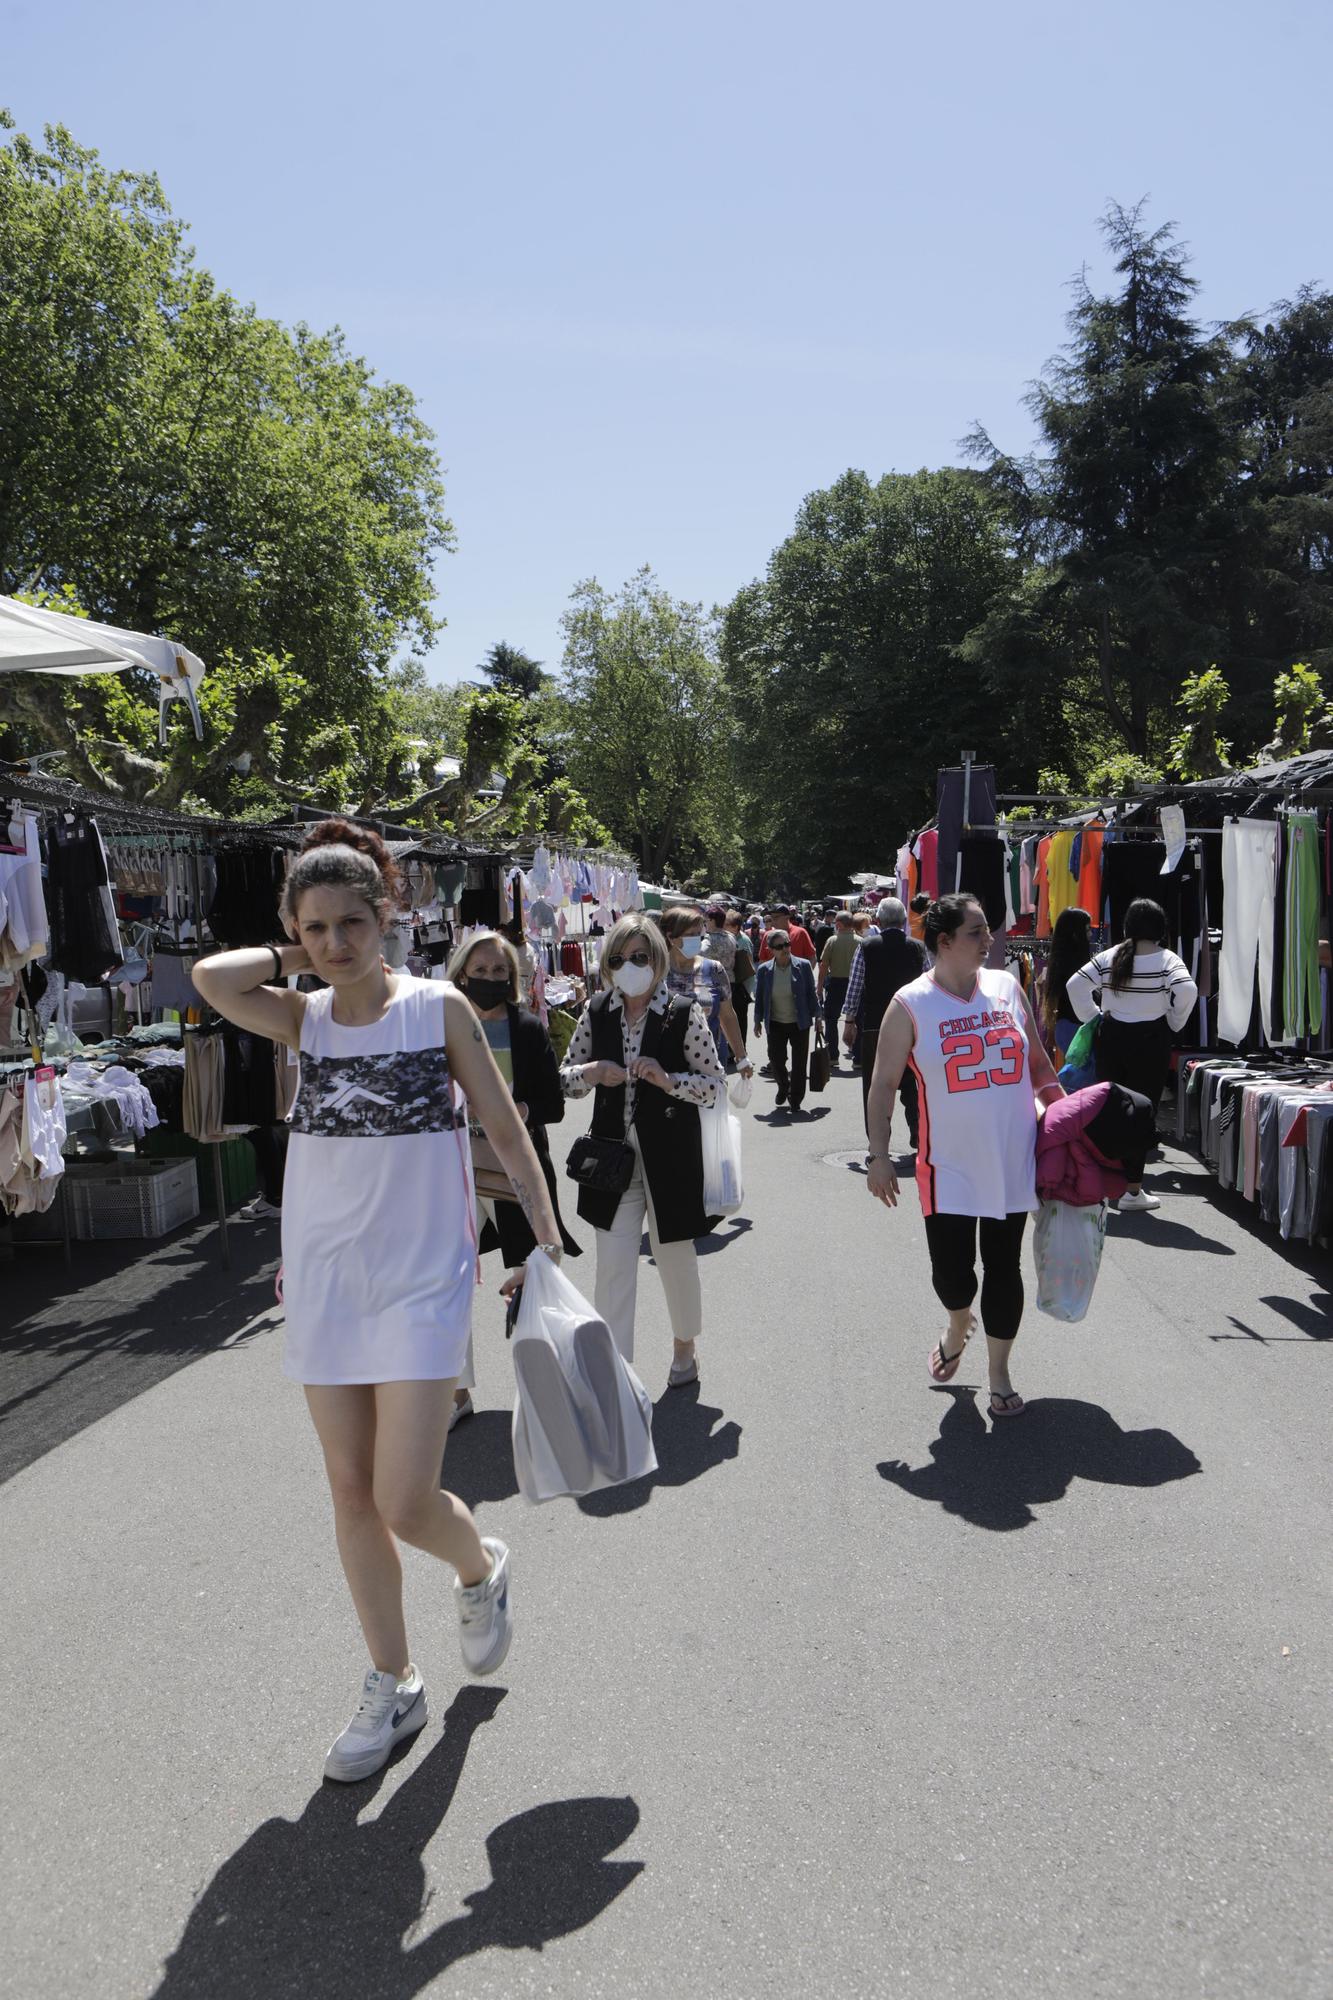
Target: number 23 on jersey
970	1061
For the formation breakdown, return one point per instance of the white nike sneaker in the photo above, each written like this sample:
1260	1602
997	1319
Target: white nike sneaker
388	1713
486	1623
1131	1204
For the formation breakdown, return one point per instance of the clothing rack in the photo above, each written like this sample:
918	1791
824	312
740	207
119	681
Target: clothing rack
38	789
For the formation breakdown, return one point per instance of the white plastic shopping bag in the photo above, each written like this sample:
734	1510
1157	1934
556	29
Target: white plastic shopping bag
721	1130
740	1088
1067	1245
582	1418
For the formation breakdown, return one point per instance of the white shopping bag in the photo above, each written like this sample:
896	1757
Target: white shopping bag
740	1088
723	1192
1067	1246
582	1418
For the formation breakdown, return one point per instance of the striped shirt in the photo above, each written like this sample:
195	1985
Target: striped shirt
1159	988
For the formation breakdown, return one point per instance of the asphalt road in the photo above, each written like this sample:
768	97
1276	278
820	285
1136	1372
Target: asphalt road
860	1696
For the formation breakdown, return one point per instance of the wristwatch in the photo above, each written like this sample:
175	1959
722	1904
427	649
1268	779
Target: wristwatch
872	1157
555	1251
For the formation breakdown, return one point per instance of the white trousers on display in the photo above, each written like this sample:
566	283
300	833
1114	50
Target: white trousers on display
1249	885
618	1269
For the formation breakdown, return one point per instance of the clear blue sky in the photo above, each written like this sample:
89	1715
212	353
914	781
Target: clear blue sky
657	271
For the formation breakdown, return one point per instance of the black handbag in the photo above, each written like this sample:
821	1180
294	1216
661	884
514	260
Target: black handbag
821	1063
606	1166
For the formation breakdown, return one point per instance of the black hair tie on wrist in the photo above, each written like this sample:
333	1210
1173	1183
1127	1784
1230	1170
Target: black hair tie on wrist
277	962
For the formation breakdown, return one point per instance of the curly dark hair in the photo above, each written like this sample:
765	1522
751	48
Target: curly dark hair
337	855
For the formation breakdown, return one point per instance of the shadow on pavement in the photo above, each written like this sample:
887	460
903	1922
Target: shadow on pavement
76	1344
736	1226
479	1459
1311	1316
1312	1319
332	1906
686	1444
994	1474
1150	1226
1184	1179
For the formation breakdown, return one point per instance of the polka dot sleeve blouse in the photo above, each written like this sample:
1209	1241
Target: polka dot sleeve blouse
699	1084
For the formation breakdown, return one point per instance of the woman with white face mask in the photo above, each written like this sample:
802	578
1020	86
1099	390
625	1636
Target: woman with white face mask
652	1061
696	975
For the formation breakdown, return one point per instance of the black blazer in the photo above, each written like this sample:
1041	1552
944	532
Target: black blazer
670	1137
536	1084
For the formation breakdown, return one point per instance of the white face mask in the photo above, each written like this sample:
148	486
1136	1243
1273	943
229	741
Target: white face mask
691	946
633	980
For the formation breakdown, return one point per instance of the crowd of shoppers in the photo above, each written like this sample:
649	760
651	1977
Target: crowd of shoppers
419	1142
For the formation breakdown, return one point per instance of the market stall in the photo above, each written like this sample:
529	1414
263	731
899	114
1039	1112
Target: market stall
128	1101
1242	864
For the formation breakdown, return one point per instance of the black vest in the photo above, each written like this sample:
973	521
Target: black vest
669	1136
891	959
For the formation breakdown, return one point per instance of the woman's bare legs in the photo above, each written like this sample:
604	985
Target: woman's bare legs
409	1449
383	1447
344	1418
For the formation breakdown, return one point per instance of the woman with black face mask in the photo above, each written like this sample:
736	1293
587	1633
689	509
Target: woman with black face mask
485	967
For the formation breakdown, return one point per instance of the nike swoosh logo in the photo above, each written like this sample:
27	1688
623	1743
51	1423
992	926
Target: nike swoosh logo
401	1714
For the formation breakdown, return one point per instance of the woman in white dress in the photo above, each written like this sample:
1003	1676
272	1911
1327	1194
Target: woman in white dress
981	1068
379	1249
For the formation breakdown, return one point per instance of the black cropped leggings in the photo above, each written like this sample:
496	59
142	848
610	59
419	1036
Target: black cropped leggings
952	1241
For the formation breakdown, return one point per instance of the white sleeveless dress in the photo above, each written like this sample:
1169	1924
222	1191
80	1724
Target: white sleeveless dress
379	1259
978	1129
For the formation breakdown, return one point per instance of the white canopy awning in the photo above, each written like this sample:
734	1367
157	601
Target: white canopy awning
53	642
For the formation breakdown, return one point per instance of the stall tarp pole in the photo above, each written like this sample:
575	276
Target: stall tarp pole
968	758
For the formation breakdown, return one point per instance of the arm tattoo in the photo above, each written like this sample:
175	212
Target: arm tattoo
523	1197
477	1035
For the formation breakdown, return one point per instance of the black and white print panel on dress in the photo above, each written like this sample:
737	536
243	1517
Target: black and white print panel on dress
375	1097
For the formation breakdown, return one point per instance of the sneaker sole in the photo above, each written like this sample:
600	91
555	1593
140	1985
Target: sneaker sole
495	1659
494	1665
375	1760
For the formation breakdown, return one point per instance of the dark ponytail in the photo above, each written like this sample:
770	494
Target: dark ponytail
1145	923
947	915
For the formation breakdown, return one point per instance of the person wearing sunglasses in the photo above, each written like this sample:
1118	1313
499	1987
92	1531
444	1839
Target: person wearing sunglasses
652	1062
785	1005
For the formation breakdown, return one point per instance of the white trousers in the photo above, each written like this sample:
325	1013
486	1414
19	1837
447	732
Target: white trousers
618	1269
1249	883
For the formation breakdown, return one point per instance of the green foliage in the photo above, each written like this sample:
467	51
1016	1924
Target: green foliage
1197	751
1120	771
649	721
509	667
1279	582
182	465
847	672
1302	711
1124	513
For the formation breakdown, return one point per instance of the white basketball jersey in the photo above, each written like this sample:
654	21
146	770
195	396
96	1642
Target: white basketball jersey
978	1127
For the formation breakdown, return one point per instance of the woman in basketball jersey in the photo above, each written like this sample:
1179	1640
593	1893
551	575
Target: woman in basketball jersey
970	1039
